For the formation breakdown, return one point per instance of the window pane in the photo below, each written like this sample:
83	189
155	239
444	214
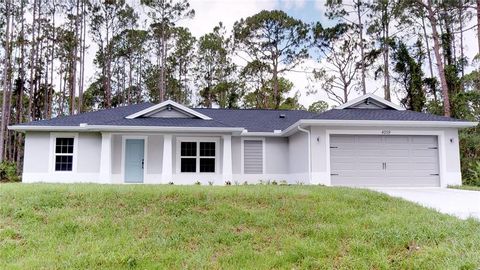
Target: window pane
63	163
188	149
207	165
207	149
64	146
188	165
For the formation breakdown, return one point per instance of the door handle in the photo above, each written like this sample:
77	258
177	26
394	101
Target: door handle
142	163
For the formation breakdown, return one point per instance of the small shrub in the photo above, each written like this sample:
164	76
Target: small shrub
228	183
198	183
274	183
245	183
170	183
474	174
210	183
8	172
283	183
236	183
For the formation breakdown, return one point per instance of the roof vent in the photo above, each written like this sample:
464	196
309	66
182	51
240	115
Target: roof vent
282	115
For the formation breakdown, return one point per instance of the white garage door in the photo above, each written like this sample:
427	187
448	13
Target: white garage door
396	161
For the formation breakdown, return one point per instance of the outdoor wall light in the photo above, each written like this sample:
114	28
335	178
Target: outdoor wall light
318	139
451	140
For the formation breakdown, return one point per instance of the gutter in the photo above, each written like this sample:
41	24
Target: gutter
309	153
85	127
243	132
378	123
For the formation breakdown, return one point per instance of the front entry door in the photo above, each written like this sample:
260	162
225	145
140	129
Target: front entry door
134	160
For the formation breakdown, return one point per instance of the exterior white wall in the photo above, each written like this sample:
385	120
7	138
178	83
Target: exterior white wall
89	146
453	173
276	160
286	159
36	152
298	158
276	156
38	158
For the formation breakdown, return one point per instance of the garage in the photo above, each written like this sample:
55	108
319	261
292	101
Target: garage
384	161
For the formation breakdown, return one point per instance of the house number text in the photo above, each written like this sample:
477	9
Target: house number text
386	132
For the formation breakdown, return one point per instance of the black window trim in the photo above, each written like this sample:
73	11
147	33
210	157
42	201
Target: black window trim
54	154
198	156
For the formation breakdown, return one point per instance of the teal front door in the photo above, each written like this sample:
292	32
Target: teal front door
134	160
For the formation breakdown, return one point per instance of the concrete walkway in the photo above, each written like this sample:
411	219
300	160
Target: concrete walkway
460	203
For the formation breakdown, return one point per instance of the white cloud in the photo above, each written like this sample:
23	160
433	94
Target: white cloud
208	13
293	4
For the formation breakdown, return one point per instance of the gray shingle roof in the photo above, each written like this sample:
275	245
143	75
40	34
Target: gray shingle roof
250	119
254	120
379	114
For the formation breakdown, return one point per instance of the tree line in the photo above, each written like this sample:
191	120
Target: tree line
414	50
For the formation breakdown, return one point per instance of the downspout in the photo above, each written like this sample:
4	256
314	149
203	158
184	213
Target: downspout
309	153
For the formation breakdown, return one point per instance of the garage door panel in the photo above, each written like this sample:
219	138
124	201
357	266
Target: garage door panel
412	174
428	140
363	166
402	166
359	181
372	160
418	181
339	139
396	153
359	153
346	152
432	153
396	139
367	139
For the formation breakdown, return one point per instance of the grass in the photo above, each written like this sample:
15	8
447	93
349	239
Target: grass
237	227
476	188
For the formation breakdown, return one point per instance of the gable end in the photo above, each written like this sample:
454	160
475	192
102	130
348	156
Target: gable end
370	101
169	113
168	109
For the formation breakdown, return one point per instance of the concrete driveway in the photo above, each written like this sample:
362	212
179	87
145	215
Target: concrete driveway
460	203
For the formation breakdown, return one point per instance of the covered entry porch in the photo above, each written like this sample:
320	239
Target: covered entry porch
163	158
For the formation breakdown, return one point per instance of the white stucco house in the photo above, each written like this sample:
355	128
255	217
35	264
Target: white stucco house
365	142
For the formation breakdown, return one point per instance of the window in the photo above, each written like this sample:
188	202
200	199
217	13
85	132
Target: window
64	154
197	156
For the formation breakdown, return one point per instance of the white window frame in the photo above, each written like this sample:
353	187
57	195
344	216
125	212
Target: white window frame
197	140
53	154
242	152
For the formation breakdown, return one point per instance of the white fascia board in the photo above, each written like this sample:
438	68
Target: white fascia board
166	103
261	134
46	128
376	123
372	96
169	129
125	128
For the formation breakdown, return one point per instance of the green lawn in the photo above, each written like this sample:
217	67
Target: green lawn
232	227
476	188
